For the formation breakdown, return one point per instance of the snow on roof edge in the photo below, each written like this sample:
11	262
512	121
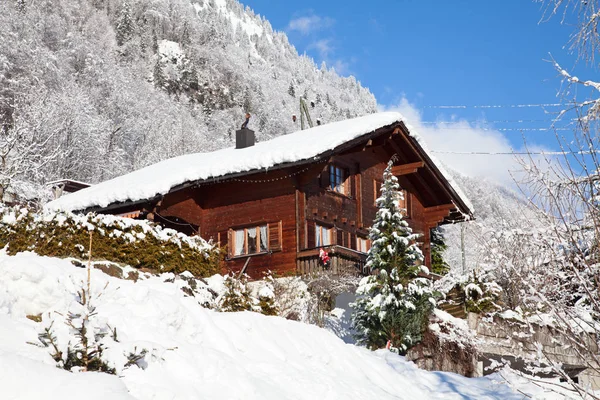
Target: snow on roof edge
158	179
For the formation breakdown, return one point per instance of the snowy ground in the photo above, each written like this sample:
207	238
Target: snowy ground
193	352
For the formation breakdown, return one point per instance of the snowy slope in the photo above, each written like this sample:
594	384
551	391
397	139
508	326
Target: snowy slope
195	353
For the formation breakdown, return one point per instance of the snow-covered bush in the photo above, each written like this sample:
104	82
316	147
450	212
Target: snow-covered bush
393	305
241	295
140	244
237	295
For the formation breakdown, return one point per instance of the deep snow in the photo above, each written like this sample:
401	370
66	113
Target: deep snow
195	353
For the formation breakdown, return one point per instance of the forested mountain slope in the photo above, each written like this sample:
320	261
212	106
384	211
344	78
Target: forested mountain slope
96	88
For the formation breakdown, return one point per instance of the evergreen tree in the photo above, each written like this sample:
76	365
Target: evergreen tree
154	42
185	35
158	74
125	26
237	295
438	246
21	4
392	304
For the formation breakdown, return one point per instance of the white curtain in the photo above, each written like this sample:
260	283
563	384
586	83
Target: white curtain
264	240
239	242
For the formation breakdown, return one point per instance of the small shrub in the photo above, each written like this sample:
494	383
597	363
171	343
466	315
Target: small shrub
237	295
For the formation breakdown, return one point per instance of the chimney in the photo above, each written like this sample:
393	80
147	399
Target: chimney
244	138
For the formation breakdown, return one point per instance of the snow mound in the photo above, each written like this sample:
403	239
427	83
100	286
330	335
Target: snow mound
194	352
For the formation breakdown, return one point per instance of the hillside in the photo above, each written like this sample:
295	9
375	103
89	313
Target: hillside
94	89
193	352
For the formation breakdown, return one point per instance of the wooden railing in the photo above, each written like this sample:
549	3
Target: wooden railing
342	261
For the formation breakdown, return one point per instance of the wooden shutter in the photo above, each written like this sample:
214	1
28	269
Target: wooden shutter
230	236
275	236
340	237
310	234
352	242
324	178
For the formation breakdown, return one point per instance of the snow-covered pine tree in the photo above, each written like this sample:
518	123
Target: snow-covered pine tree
438	246
392	304
21	5
158	75
125	25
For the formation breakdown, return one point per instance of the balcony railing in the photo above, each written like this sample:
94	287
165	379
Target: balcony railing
342	261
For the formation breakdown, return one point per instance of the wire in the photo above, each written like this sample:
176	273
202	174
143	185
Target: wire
510	129
500	106
492	122
509	153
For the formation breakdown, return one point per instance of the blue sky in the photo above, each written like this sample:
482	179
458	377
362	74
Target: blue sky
417	54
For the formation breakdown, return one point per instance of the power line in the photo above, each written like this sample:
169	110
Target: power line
516	153
511	129
498	106
493	121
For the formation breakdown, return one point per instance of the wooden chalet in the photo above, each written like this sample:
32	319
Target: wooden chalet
275	204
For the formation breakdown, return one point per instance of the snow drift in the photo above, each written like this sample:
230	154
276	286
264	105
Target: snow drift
194	352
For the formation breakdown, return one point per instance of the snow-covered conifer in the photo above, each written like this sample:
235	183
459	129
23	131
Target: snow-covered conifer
393	304
125	26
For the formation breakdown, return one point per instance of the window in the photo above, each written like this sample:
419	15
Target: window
363	245
337	179
322	236
250	240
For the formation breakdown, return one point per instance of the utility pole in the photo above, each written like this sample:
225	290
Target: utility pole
304	114
462	248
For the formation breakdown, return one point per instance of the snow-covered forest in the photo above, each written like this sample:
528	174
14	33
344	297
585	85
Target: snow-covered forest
92	89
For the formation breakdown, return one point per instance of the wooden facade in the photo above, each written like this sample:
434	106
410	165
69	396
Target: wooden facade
277	220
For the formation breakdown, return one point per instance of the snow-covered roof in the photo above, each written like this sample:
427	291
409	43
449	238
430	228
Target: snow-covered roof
160	178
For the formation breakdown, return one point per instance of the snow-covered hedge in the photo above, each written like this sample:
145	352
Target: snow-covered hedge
140	244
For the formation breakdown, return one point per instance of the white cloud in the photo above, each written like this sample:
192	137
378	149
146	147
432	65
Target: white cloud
309	24
462	136
323	46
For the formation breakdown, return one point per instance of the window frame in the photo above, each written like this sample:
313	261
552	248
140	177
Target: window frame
339	179
360	241
247	229
319	230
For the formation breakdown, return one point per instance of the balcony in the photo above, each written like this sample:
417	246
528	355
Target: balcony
343	261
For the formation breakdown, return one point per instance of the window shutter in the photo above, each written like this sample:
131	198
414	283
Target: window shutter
340	237
310	234
353	241
324	178
275	236
351	185
229	243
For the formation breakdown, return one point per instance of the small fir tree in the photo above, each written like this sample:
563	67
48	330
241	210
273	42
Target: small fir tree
438	246
237	295
393	304
160	80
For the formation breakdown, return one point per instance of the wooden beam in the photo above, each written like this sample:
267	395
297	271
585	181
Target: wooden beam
406	169
436	214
